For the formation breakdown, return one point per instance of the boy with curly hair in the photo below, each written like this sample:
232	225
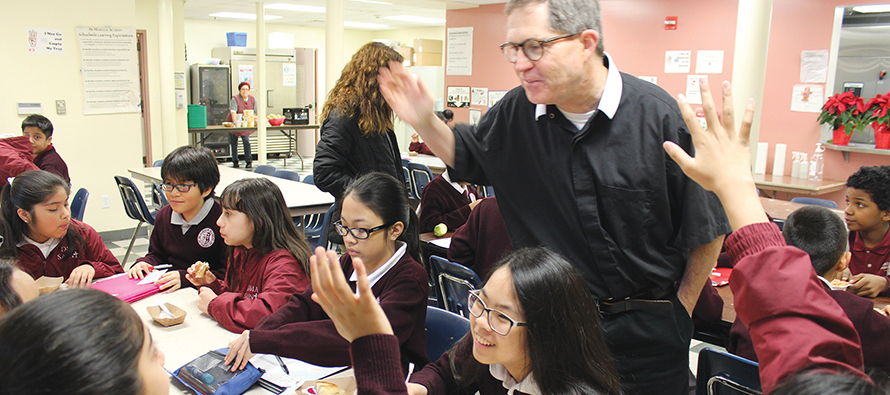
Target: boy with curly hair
868	219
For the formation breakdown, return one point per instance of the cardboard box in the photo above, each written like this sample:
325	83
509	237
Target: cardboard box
408	54
427	59
427	45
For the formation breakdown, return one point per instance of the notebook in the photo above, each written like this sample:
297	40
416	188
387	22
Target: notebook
127	289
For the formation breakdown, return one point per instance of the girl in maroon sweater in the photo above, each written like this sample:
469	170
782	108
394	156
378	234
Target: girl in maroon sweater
38	231
267	257
379	228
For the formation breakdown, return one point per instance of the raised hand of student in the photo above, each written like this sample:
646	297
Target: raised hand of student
81	276
239	352
354	315
722	162
208	277
139	270
868	285
169	282
205	295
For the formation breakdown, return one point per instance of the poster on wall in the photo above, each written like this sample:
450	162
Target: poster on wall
458	96
110	69
494	97
814	66
693	90
45	41
709	62
459	51
245	74
807	98
677	61
475	115
289	71
479	96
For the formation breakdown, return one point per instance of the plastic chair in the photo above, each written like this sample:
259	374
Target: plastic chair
443	329
726	374
310	179
326	228
158	163
406	173
454	282
135	207
420	176
287	175
265	169
158	198
815	202
79	203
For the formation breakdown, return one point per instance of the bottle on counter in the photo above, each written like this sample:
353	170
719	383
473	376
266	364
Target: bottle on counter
804	167
817	164
795	164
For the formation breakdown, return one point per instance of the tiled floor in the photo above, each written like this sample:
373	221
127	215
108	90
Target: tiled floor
140	246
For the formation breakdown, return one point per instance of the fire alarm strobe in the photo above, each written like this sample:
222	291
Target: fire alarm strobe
670	23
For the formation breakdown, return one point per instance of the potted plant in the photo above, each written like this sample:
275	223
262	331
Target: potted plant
845	112
879	116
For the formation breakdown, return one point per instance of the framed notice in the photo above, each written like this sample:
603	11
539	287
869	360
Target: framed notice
458	96
110	69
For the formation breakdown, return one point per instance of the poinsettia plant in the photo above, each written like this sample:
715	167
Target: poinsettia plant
844	109
878	109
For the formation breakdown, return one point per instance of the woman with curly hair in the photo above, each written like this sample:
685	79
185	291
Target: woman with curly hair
357	124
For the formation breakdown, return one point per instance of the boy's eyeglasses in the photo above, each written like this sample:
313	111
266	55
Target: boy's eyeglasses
533	49
358	233
500	323
166	187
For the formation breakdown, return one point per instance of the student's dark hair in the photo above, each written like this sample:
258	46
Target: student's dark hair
448	114
27	190
387	197
818	232
825	382
441	116
195	164
875	181
566	347
9	298
273	228
40	122
80	341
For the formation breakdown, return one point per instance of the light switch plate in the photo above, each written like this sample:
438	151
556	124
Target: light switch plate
60	107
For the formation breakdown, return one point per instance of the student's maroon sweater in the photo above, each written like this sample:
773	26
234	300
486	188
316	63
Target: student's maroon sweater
49	160
441	203
255	286
420	148
94	253
482	241
201	242
300	329
15	157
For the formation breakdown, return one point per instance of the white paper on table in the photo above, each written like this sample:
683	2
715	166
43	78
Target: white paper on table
299	370
709	62
165	312
814	66
693	90
152	277
444	242
807	98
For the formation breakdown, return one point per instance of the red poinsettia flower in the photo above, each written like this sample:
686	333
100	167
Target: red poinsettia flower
845	109
878	108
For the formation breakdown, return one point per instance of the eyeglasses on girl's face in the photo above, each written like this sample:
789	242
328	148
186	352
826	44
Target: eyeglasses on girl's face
499	322
358	233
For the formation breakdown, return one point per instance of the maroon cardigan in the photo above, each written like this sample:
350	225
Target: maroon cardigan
441	203
94	253
482	241
300	329
49	160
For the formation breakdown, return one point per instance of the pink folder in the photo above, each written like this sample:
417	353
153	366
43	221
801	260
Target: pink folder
125	288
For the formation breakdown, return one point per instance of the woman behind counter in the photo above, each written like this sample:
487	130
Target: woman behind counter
240	102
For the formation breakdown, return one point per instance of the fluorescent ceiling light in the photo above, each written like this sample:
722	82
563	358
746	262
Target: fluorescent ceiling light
364	25
373	2
411	18
296	7
872	8
240	15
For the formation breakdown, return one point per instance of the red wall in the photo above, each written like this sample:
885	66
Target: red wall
634	35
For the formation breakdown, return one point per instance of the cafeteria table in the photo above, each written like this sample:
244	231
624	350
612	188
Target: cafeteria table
436	165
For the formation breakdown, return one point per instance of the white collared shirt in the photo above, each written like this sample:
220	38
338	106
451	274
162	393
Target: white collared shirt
45	248
608	102
463	190
178	219
382	270
528	385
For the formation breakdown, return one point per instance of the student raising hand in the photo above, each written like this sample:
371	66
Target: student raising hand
354	315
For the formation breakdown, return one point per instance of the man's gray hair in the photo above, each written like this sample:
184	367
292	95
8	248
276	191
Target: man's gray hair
568	16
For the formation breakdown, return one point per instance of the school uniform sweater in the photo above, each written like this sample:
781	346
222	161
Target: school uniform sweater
482	241
874	260
49	160
441	203
300	329
15	157
201	242
94	253
255	286
420	148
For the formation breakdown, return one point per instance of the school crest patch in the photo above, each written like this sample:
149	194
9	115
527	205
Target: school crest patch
206	237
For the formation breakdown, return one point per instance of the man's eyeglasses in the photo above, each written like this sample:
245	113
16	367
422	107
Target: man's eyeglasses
358	233
166	187
499	322
533	49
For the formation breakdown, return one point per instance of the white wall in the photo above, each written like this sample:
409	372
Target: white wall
96	147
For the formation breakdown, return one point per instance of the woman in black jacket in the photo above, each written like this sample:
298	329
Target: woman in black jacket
357	125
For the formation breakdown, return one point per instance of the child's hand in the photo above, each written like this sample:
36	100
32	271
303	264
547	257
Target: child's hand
205	295
416	389
867	285
354	314
139	270
81	276
169	281
208	278
239	352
